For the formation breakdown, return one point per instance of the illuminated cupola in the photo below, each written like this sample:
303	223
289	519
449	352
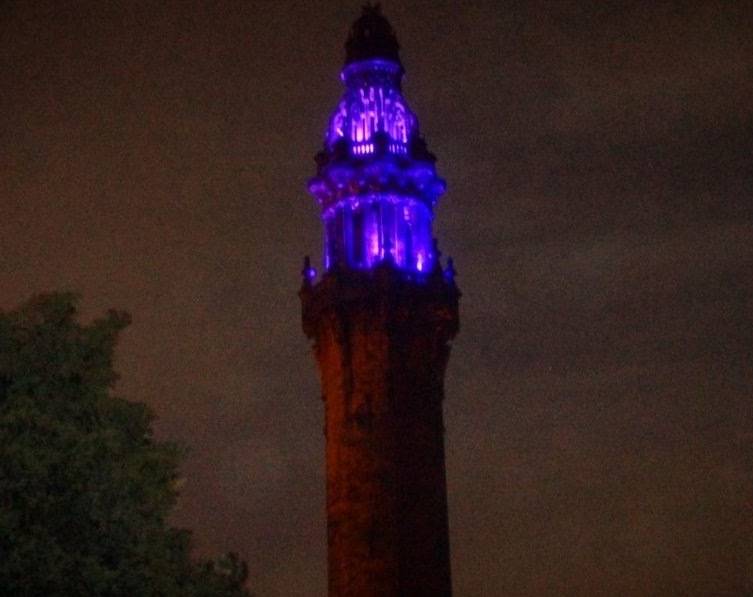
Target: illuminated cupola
376	182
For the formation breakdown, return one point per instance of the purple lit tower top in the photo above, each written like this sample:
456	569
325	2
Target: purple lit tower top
376	182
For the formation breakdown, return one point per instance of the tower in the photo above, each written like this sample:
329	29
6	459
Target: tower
381	317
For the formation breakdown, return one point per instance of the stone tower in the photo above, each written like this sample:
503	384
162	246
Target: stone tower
381	317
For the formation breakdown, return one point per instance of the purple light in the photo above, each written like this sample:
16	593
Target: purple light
376	182
359	231
372	103
363	149
420	260
372	234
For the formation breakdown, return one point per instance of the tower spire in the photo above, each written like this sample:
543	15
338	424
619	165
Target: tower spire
376	182
371	36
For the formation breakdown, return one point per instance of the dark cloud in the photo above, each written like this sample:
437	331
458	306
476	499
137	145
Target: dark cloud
598	156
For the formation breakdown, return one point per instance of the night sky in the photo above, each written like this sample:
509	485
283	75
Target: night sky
600	212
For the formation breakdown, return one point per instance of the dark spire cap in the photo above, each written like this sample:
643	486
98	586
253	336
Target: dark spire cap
371	36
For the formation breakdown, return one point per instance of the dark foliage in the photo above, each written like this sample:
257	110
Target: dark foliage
85	490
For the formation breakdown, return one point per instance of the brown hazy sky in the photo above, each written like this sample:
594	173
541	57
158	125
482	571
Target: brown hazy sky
600	212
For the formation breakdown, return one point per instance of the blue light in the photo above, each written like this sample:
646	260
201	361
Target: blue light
372	103
376	182
308	273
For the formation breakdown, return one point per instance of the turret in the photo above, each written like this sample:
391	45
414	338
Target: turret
376	182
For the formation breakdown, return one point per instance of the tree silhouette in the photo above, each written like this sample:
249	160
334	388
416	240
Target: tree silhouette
85	489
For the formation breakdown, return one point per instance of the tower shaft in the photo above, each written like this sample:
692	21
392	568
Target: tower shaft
382	346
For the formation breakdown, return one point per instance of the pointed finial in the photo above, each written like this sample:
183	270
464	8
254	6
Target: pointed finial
449	272
371	37
436	254
308	273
